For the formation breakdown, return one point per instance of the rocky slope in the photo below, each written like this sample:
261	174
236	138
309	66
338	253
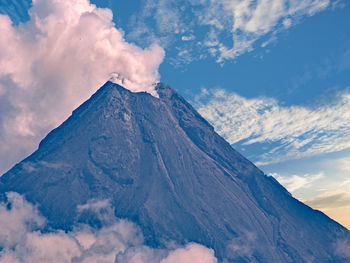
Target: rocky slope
164	167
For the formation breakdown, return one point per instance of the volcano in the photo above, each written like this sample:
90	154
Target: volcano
165	168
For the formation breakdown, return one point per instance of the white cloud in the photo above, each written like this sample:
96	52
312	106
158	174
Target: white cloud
295	182
22	240
188	37
192	253
245	21
52	63
16	218
183	57
345	183
94	205
287	22
344	164
292	131
338	4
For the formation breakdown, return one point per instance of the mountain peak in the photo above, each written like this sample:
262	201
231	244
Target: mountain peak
164	91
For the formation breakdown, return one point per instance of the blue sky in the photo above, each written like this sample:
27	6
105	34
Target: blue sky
273	77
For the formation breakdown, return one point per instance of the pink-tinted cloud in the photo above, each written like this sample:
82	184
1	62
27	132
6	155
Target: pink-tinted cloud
22	240
55	61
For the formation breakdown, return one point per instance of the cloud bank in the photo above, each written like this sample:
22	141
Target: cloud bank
328	200
230	28
292	131
55	61
23	241
335	204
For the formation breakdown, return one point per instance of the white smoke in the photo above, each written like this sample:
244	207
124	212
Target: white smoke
23	241
54	62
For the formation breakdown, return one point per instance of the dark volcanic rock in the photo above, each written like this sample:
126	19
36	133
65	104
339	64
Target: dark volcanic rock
164	167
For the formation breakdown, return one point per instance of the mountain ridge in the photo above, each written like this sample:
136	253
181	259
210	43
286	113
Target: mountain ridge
165	168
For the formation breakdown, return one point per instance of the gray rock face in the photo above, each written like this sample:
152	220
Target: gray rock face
164	167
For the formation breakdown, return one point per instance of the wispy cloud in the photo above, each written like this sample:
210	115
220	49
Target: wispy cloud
230	27
52	63
291	131
295	182
254	19
332	200
344	164
22	240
